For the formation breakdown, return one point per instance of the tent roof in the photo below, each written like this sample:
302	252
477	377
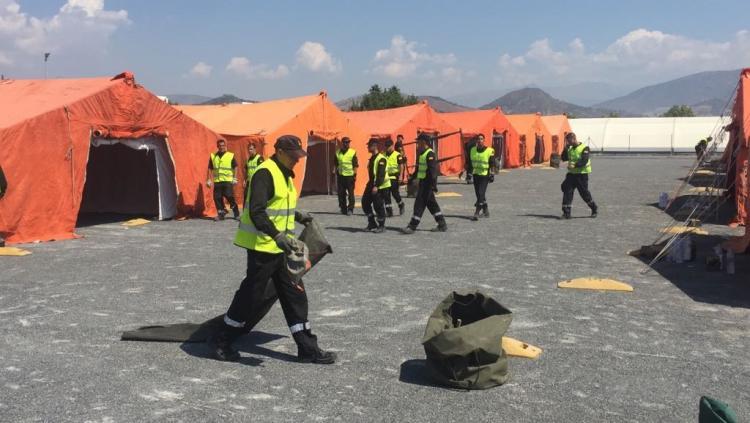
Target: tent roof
522	123
386	121
250	119
474	121
556	124
21	100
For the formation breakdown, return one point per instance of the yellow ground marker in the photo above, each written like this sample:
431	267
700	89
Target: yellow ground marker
448	194
596	284
516	348
13	251
684	229
705	172
136	222
503	171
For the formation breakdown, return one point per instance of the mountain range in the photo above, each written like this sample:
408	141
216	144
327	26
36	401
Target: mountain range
535	100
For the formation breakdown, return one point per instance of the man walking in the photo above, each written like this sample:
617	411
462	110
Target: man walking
483	167
346	176
221	174
403	168
253	161
378	187
426	174
3	190
395	163
266	232
579	167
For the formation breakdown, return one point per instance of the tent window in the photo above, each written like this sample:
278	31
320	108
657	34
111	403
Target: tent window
321	159
131	177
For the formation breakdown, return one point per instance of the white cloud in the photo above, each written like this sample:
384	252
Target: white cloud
79	31
313	56
639	56
201	70
242	66
402	59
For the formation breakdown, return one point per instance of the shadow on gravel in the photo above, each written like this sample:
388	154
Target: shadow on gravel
415	372
683	205
456	216
250	343
550	216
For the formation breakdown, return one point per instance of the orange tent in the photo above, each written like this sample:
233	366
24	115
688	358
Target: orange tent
314	119
535	139
410	121
559	127
148	158
737	159
490	123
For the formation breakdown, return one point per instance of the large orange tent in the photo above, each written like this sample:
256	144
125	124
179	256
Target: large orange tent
95	145
493	125
737	159
410	121
536	140
314	119
559	127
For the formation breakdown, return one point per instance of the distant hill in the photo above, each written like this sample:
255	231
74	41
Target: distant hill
705	90
442	105
347	103
227	99
535	100
187	98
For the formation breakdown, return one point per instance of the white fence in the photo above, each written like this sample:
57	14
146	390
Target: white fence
643	135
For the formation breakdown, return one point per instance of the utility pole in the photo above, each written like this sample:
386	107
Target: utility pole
46	58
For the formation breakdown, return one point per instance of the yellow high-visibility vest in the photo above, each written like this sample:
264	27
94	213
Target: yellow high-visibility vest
480	161
222	167
422	172
386	181
346	162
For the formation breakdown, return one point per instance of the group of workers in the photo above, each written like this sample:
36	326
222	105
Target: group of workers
267	222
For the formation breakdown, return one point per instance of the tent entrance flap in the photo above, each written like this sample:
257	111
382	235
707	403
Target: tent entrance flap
539	149
130	176
321	159
498	144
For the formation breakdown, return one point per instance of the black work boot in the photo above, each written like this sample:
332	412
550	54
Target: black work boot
594	209
476	214
308	350
442	226
408	230
222	214
236	212
221	343
380	229
401	208
566	213
350	212
485	210
371	223
389	211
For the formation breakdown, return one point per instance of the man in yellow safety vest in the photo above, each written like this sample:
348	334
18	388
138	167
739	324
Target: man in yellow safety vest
426	174
578	157
346	176
267	233
396	162
253	161
377	188
482	167
221	175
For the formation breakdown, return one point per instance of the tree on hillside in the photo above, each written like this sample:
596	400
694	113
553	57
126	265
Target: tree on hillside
378	99
679	111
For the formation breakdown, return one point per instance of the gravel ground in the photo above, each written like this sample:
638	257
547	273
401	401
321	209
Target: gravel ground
620	357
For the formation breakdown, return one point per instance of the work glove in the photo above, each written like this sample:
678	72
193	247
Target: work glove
303	217
234	181
209	183
492	177
285	243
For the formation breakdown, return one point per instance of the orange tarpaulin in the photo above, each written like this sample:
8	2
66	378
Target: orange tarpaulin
558	126
47	128
737	159
536	140
409	121
314	119
487	123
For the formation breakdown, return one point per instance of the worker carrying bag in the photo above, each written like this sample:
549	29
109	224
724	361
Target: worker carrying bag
462	341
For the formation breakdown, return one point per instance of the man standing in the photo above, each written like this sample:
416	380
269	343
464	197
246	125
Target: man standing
3	190
266	232
483	167
395	163
579	167
346	176
403	168
426	174
253	161
468	167
378	187
221	174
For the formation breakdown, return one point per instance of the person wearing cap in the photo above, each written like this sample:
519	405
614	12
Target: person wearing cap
377	188
3	190
251	165
266	232
483	167
403	169
426	174
222	176
395	164
579	167
346	176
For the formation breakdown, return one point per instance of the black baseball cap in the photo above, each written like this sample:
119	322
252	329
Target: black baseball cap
372	141
388	142
345	140
424	137
291	145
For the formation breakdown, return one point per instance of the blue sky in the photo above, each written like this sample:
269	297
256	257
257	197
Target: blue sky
271	49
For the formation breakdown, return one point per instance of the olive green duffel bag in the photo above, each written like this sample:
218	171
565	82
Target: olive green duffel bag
462	341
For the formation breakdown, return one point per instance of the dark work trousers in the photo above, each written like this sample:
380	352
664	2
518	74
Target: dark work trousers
480	189
224	190
374	206
426	199
260	268
572	182
346	192
393	191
